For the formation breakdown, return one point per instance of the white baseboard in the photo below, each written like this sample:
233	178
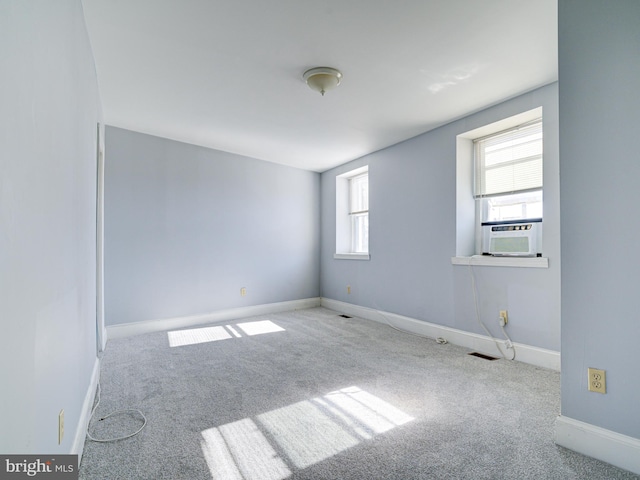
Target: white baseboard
611	447
103	339
480	343
85	414
160	325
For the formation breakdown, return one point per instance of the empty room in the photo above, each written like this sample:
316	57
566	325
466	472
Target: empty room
319	240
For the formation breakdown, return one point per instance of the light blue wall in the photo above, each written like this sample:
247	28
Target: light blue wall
50	109
599	59
413	237
187	227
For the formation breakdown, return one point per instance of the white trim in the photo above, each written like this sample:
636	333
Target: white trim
619	450
85	414
355	172
163	324
524	353
344	225
504	124
101	332
105	337
351	256
489	261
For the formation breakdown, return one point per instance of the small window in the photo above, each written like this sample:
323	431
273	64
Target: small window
352	214
359	213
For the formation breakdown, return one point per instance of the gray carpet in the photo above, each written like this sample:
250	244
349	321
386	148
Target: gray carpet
311	395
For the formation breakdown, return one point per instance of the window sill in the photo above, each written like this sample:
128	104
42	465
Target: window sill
351	256
487	261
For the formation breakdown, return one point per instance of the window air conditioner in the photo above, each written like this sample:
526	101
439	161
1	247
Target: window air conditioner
511	239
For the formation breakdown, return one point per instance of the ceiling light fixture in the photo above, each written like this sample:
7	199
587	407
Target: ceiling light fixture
322	79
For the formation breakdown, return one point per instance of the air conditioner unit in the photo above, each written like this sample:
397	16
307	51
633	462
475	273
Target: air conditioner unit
511	239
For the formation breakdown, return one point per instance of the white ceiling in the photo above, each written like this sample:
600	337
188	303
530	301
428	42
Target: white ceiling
227	74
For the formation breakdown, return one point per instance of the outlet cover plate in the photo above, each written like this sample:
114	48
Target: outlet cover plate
597	380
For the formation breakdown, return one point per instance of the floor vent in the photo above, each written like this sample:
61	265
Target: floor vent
482	355
344	316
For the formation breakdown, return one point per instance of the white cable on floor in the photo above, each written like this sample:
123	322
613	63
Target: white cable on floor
475	301
111	414
439	340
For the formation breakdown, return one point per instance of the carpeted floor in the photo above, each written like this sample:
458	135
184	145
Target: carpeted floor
311	395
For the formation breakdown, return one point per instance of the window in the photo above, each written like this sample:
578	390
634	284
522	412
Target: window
352	215
359	213
499	179
508	174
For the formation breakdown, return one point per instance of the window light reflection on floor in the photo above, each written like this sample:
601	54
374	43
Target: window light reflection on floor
194	336
239	451
305	433
259	327
376	414
345	419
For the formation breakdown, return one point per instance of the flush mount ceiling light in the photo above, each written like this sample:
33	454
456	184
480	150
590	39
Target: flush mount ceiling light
322	79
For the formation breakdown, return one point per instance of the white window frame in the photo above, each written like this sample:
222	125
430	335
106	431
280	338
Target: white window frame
517	178
468	218
508	163
346	217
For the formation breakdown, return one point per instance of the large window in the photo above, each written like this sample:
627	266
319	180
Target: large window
508	174
352	215
499	187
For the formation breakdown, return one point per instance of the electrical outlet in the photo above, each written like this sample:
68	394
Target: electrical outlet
597	380
349	289
60	426
243	291
504	318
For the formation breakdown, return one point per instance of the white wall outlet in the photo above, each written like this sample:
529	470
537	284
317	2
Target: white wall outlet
504	317
597	380
243	291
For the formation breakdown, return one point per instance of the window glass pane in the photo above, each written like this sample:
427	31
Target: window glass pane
359	193
510	150
513	207
510	161
360	232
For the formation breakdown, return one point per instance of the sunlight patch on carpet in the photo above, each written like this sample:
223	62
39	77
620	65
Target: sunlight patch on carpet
373	412
260	327
305	433
194	336
239	451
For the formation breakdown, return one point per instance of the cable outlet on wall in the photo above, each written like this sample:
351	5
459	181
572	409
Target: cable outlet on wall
504	317
597	380
349	289
243	291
